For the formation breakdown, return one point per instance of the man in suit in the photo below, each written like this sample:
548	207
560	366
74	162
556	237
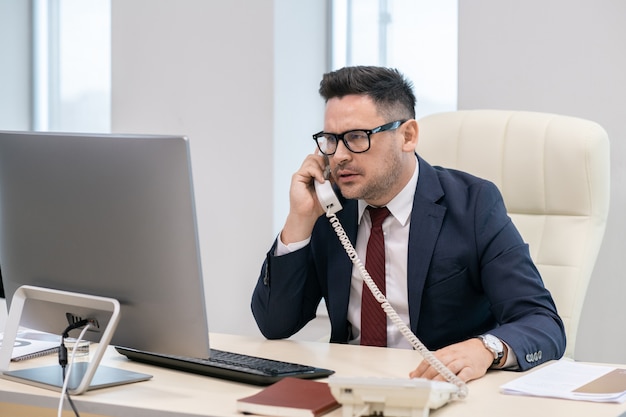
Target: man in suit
455	267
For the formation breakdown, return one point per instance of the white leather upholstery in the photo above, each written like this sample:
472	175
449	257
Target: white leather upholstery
553	172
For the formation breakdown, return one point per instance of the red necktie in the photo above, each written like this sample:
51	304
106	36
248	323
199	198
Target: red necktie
373	318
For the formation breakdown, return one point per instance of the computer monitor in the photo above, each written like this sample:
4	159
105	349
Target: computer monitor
110	215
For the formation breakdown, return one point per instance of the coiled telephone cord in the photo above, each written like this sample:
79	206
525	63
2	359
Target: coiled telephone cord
391	313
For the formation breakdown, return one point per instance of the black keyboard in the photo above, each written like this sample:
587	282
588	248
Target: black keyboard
231	366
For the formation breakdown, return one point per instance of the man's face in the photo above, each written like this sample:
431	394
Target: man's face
378	174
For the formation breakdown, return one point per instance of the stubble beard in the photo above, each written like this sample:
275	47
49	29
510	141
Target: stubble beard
378	187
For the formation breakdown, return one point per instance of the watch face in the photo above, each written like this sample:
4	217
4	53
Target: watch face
496	347
494	343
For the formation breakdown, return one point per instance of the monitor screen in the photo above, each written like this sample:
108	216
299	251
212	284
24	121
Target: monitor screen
110	215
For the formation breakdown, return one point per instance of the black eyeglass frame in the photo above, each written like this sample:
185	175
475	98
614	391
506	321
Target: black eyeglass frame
341	136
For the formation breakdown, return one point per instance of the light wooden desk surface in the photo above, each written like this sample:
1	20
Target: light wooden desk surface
173	393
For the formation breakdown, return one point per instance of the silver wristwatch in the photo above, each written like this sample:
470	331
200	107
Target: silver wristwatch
495	346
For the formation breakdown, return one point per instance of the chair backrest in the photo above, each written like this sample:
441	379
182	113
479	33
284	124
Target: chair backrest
553	172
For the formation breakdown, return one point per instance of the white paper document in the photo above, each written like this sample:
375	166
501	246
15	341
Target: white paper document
571	380
33	343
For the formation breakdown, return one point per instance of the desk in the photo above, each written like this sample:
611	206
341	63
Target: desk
173	393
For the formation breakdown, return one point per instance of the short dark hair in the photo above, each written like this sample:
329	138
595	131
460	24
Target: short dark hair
387	87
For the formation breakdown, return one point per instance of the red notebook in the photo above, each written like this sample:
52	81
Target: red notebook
290	397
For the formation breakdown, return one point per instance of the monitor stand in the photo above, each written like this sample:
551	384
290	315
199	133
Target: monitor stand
51	377
83	376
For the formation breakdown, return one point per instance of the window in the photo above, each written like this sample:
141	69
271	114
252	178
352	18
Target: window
418	37
71	65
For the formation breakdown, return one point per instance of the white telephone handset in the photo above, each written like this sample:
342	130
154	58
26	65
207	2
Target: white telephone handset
329	201
327	197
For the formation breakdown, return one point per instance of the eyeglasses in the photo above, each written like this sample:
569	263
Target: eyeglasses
357	141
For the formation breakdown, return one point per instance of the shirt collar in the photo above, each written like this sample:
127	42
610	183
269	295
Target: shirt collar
401	205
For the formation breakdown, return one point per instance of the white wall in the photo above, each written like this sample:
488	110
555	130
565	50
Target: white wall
240	79
300	51
205	69
560	56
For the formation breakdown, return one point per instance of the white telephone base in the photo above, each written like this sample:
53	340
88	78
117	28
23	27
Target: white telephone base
391	397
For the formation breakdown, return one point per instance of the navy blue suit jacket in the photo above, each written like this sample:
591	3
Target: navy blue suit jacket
469	273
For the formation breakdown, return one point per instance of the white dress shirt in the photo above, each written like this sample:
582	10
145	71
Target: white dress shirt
396	233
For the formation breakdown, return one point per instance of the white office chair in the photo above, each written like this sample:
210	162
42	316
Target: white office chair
553	172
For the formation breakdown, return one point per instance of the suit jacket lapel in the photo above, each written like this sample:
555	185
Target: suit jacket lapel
426	220
340	268
342	264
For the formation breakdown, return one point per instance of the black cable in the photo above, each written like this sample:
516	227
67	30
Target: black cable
62	348
63	357
73	326
69	399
